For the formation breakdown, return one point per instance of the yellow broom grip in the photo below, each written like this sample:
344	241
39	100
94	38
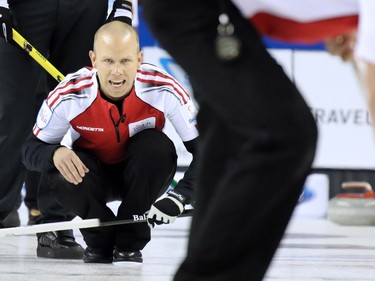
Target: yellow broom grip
38	57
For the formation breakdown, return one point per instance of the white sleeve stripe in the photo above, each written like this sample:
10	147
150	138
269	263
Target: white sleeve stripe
179	95
4	3
69	88
123	13
70	84
173	83
162	77
36	130
168	80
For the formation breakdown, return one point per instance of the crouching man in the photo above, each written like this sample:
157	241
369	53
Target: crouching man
99	138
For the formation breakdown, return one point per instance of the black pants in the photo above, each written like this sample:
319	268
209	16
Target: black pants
31	189
148	168
258	141
32	178
63	31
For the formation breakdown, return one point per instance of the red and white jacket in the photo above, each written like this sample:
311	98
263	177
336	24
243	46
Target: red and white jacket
75	114
312	21
301	21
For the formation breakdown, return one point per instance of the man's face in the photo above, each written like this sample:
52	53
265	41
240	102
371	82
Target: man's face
117	60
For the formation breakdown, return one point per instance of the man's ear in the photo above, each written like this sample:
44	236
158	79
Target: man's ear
92	58
140	58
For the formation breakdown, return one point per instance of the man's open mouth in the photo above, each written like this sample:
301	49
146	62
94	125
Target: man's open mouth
117	83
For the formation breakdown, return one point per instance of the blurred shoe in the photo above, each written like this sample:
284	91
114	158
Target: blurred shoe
93	255
123	256
33	215
58	245
12	220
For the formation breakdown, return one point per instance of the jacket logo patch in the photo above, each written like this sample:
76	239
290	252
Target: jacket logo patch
189	113
44	115
136	127
91	129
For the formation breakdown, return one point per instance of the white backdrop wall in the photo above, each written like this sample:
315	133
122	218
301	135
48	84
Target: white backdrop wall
338	103
332	90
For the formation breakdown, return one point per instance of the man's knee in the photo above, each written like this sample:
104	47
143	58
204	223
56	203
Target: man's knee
152	145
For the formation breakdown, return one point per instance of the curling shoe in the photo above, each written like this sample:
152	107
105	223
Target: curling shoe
34	214
12	220
94	255
58	245
119	256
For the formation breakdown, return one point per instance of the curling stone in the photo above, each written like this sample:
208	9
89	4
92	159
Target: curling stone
354	207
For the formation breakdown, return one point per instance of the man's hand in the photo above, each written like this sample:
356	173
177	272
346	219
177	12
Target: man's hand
6	24
69	165
166	209
342	45
122	10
